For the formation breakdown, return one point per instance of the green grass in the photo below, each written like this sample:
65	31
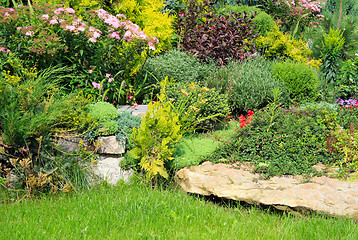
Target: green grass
192	149
139	212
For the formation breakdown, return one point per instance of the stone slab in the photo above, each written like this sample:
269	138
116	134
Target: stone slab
322	194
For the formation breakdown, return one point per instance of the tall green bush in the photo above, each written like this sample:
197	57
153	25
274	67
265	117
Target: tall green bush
154	140
300	80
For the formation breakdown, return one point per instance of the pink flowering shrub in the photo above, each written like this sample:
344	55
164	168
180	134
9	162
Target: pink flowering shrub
294	13
95	44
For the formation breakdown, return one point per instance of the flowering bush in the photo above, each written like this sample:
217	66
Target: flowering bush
294	15
104	50
148	15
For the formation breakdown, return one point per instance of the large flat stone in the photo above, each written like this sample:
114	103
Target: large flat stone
110	145
322	194
107	168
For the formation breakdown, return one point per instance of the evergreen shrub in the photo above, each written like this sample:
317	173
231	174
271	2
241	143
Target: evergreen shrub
178	65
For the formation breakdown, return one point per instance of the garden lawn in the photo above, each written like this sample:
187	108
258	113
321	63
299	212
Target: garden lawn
139	212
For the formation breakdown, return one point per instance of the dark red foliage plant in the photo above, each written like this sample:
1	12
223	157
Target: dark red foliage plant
205	34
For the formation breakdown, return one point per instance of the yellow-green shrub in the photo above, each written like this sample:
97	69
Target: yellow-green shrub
147	14
281	45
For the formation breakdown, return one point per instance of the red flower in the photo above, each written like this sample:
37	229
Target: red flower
181	14
242	121
228	117
135	104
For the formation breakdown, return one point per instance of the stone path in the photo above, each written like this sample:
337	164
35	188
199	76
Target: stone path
322	194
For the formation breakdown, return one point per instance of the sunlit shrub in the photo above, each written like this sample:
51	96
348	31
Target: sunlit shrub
300	80
280	45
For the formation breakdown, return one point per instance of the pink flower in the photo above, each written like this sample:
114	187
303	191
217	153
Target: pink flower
71	28
6	14
96	34
181	14
92	29
108	75
11	10
45	17
69	10
29	33
114	35
110	79
92	39
151	46
53	21
135	104
127	36
96	85
81	29
58	11
121	16
90	71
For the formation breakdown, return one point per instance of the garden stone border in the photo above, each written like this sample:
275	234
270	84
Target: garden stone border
321	194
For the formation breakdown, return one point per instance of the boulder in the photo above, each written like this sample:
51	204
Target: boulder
110	145
322	194
107	168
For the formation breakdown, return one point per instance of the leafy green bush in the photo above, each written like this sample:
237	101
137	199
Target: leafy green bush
318	106
181	66
300	80
248	84
347	80
332	51
291	145
204	108
344	144
126	122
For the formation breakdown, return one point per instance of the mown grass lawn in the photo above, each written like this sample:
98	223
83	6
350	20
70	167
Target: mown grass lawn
139	212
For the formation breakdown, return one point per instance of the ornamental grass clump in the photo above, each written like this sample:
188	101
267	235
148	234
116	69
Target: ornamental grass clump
32	110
